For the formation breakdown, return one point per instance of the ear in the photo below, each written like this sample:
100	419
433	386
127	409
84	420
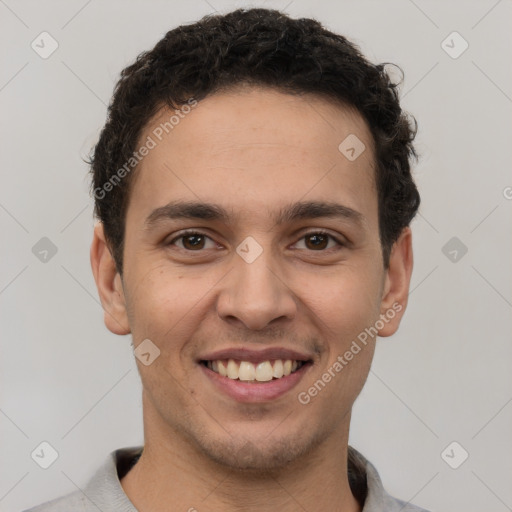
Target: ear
396	285
109	284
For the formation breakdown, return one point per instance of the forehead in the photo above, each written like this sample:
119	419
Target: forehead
252	149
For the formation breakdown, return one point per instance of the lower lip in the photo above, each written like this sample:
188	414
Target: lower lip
255	391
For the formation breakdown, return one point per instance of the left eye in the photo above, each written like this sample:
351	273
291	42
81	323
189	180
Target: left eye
318	241
315	241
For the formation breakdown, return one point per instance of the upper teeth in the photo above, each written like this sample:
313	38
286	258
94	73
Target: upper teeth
247	371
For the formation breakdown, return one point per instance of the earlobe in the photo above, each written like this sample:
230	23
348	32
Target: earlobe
109	284
396	286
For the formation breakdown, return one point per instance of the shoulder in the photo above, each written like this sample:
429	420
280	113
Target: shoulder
390	504
103	492
76	502
380	500
364	475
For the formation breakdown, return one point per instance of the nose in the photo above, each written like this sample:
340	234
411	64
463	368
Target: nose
255	295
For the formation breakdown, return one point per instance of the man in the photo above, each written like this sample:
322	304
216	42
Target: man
254	195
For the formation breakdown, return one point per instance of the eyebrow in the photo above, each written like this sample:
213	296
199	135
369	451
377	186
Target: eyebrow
213	212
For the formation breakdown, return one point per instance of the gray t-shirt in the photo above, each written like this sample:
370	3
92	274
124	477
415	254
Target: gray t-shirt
104	491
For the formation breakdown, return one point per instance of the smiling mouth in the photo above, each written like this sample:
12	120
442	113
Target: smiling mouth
246	371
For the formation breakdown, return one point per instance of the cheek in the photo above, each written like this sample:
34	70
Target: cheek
344	305
166	311
167	306
159	293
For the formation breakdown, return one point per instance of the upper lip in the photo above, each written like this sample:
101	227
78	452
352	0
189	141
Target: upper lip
255	356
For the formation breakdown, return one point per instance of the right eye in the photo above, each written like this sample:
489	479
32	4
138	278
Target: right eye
192	241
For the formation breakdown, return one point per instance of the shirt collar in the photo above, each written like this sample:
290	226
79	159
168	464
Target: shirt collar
105	490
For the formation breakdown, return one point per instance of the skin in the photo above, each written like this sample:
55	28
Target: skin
252	151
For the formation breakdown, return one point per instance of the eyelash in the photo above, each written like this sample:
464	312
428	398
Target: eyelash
186	233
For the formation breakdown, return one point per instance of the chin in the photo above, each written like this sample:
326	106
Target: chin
270	455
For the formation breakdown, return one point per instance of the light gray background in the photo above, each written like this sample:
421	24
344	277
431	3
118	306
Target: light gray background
444	377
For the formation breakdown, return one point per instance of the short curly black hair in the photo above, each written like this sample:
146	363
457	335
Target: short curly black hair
260	47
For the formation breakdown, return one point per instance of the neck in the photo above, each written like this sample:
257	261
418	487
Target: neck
171	471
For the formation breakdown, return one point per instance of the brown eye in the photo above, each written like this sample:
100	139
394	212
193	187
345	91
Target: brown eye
317	241
193	242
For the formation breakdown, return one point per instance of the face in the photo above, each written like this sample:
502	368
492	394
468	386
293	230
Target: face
252	249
